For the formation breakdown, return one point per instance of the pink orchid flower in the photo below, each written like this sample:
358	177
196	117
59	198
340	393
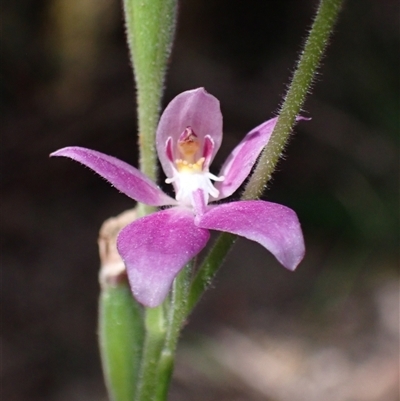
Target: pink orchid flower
156	247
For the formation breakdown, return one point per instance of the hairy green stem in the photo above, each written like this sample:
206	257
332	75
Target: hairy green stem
150	26
311	55
209	267
130	374
176	316
155	325
306	68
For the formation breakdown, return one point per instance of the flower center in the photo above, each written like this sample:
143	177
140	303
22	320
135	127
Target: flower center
191	168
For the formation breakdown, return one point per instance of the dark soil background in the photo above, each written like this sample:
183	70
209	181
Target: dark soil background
329	331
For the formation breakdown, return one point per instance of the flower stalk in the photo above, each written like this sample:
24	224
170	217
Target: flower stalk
314	48
149	379
307	66
150	26
209	267
177	314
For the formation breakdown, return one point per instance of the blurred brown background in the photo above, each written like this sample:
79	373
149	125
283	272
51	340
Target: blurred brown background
327	332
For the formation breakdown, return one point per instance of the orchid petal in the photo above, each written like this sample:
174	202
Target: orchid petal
155	248
196	109
121	175
239	163
274	226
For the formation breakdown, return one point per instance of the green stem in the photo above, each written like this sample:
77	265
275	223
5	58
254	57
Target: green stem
314	48
307	66
155	338
176	318
209	267
150	28
121	335
161	340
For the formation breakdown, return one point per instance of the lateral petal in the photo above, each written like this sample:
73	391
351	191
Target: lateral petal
240	162
274	226
155	248
121	175
195	108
